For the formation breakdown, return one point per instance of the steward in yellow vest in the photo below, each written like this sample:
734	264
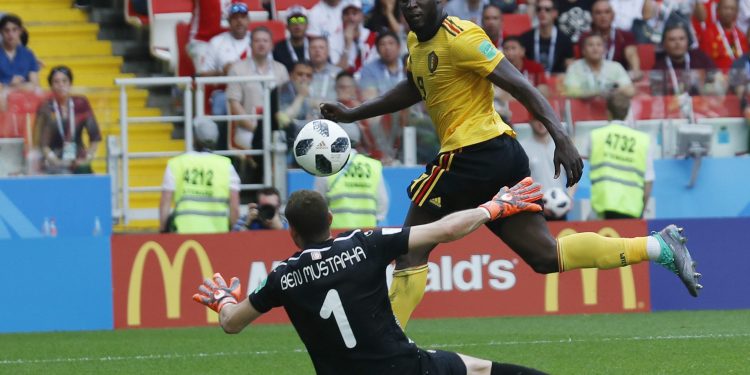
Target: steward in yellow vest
203	186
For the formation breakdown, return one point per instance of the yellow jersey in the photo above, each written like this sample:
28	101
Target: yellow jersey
449	70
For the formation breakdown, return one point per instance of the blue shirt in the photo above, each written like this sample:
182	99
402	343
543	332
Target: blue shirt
22	64
376	75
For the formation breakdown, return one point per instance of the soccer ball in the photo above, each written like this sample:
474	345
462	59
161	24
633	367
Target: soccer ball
557	202
322	147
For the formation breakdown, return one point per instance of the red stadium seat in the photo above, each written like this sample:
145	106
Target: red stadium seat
132	17
716	106
647	55
519	114
278	29
18	120
516	24
588	110
185	66
646	107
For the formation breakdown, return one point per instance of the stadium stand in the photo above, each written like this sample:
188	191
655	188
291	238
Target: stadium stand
516	24
133	18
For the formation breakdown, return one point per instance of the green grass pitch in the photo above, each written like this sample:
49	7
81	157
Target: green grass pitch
701	342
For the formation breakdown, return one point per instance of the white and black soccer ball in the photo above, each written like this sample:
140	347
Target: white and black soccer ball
322	147
557	202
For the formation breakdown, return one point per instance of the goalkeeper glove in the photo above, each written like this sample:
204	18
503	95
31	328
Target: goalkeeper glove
511	201
215	294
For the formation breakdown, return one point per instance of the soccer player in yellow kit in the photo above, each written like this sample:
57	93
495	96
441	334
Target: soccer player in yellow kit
452	65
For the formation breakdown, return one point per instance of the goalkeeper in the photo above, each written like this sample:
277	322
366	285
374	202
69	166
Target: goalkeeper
334	289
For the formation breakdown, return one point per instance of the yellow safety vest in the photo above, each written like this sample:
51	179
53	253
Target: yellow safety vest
618	167
353	193
201	195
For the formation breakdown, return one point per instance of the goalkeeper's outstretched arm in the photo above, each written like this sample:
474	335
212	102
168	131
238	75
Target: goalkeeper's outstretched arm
233	318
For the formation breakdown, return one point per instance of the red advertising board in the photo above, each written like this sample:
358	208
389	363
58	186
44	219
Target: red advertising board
155	276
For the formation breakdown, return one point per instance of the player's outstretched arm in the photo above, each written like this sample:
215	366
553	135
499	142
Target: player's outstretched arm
222	298
508	78
403	95
507	202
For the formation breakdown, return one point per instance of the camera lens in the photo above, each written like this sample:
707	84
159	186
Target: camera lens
266	212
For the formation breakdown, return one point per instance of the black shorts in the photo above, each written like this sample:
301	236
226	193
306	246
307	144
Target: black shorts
469	176
438	362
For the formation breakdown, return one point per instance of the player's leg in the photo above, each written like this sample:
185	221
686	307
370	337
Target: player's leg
528	235
450	363
410	274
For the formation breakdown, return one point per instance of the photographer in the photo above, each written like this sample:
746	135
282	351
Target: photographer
264	214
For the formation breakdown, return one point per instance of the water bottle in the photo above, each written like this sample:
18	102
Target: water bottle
97	226
52	228
45	227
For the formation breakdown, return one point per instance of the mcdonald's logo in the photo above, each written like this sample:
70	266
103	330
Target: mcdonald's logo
589	280
171	271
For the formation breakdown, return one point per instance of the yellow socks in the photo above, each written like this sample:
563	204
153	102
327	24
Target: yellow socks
590	250
407	290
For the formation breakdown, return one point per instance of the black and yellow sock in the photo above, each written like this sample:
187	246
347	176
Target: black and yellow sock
590	250
407	290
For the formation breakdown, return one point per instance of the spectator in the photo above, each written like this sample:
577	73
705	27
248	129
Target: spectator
492	24
619	45
18	65
377	78
723	41
324	73
356	46
739	74
209	19
140	7
247	98
347	93
203	186
293	97
534	72
545	44
622	165
296	47
264	213
682	70
541	151
574	17
224	50
743	21
324	19
356	195
384	17
663	15
61	121
593	76
470	10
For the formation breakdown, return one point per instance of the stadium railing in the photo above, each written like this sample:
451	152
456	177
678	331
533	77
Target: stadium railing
119	156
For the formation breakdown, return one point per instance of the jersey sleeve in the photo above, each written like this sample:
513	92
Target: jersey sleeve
386	244
472	50
266	296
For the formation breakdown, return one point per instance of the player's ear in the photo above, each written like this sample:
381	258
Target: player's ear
330	218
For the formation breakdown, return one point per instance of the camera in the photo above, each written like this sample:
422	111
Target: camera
266	212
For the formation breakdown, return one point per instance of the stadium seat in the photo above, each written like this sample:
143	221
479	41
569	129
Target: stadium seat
516	24
587	110
278	29
19	117
185	66
716	106
519	114
646	107
133	18
647	55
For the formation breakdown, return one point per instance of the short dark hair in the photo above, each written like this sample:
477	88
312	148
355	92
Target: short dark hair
312	38
342	74
301	62
60	69
491	5
307	213
387	34
512	38
269	191
675	26
588	36
10	18
618	105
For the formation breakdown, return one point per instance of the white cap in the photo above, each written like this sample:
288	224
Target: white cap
296	10
205	131
352	3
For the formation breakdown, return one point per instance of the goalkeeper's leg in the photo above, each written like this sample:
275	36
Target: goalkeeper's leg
410	275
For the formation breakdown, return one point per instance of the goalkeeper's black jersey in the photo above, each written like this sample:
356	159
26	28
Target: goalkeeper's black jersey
336	296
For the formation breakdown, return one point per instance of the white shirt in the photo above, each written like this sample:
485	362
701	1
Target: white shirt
541	155
168	183
324	20
743	20
225	49
626	11
369	52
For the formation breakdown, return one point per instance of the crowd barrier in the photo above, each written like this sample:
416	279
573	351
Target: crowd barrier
89	279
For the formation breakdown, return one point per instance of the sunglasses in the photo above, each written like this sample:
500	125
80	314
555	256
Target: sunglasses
238	8
544	9
297	20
